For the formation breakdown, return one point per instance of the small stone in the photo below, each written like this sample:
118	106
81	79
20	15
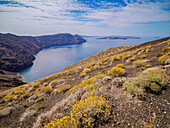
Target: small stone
167	61
127	61
6	111
141	52
148	50
106	79
87	77
118	81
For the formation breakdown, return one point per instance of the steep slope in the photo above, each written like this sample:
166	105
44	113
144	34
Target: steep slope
58	39
124	87
16	52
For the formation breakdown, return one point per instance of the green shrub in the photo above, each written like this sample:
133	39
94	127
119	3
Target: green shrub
37	106
40	99
152	79
116	71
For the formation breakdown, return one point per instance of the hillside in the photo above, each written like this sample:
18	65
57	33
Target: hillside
121	87
17	52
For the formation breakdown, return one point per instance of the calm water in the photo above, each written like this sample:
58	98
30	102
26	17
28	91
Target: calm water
54	59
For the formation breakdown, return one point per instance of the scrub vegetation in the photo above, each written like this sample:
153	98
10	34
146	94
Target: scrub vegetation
126	86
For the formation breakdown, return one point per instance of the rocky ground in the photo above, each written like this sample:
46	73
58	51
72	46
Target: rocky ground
9	80
131	105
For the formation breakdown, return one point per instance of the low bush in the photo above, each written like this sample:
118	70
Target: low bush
168	41
40	99
8	97
85	71
83	74
120	65
37	106
142	56
140	63
132	58
116	57
46	89
1	107
104	60
166	50
89	112
96	66
63	88
24	96
116	71
124	57
163	59
152	79
87	82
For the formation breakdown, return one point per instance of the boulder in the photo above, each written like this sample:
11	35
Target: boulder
118	81
6	111
140	52
167	62
106	79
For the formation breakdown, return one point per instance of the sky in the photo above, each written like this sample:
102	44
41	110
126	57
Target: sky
86	17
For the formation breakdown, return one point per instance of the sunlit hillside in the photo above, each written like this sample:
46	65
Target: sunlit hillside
121	87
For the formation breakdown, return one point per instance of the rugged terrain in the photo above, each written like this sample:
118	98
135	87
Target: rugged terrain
17	52
121	87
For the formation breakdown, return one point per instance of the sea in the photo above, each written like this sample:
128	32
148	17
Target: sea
53	59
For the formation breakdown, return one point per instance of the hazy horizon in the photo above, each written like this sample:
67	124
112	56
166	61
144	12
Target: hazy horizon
86	17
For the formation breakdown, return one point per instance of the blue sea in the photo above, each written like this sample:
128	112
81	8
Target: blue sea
54	59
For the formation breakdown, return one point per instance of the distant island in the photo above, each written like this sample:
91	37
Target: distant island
17	52
119	37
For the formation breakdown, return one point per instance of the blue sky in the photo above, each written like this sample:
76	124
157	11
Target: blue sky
86	17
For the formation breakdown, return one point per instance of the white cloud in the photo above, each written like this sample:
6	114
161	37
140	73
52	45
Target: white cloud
53	16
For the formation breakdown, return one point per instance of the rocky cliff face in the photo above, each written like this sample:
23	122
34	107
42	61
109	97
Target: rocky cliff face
9	79
16	52
58	39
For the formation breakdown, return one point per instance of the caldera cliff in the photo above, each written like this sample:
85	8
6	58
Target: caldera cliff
17	52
